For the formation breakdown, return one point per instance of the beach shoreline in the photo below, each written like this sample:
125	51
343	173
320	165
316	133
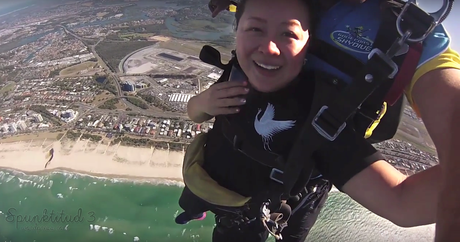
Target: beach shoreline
85	157
127	178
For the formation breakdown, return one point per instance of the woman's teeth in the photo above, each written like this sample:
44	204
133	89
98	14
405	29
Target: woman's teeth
268	67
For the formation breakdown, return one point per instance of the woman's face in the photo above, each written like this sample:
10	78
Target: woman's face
271	42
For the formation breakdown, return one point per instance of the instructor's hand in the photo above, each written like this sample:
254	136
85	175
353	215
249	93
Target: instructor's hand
224	98
217	6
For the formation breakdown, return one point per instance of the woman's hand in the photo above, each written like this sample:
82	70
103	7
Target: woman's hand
223	98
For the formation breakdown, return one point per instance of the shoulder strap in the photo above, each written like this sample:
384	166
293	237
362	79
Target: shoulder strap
328	120
210	55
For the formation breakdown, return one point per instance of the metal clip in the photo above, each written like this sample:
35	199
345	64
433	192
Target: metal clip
320	129
398	44
438	17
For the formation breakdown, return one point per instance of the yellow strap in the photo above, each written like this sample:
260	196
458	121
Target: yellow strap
200	183
374	125
232	8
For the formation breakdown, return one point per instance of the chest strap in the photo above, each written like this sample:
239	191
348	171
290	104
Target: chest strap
238	138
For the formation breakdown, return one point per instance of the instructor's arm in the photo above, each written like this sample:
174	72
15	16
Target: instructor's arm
437	95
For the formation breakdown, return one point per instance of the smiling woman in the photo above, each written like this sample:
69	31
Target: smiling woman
271	42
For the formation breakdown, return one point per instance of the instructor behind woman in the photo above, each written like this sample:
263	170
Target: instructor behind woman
435	95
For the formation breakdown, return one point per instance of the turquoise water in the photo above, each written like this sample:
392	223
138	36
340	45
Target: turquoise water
100	209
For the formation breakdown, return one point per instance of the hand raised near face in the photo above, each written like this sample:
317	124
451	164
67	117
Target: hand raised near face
223	98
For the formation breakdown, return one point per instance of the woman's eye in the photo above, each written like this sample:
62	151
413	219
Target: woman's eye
290	34
254	30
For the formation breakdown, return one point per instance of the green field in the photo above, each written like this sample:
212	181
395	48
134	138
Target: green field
7	89
72	70
193	49
130	36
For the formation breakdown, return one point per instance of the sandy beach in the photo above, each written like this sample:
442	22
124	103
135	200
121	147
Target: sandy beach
83	156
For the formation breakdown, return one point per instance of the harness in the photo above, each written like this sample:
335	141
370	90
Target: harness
374	96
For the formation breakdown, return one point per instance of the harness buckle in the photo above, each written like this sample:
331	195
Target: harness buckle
235	221
277	175
327	135
430	20
387	59
275	222
399	44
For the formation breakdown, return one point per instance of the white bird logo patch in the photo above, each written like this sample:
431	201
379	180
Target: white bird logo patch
267	127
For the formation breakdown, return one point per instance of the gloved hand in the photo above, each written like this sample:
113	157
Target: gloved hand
217	6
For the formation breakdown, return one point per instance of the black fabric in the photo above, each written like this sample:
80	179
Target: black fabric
375	75
239	173
338	111
191	204
389	123
342	160
234	170
368	112
237	137
210	55
341	60
299	226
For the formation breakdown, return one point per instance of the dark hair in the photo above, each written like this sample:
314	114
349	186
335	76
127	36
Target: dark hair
310	4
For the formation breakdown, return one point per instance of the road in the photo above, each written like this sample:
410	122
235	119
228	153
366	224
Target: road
115	78
101	61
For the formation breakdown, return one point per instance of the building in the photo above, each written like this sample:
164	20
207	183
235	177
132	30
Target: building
141	85
68	115
13	128
214	76
37	117
179	97
128	86
21	125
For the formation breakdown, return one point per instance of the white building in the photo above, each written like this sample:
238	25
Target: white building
13	128
37	117
69	115
21	125
179	97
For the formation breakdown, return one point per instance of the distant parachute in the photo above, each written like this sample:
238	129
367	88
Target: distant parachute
49	156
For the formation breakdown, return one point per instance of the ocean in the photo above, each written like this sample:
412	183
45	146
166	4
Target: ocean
13	6
81	208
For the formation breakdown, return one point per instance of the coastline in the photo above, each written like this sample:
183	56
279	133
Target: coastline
124	178
85	157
